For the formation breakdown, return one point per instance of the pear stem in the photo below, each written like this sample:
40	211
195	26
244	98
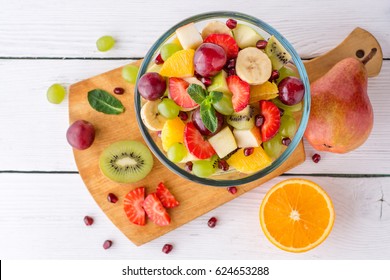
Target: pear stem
369	56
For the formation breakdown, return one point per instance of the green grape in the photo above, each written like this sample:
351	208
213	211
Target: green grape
203	168
286	71
168	108
224	105
177	152
288	126
129	73
287	108
105	43
169	49
274	146
56	93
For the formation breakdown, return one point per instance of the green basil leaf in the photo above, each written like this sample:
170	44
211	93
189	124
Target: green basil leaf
104	102
208	116
197	93
215	96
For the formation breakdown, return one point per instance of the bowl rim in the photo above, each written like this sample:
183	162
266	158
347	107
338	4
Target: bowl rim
305	110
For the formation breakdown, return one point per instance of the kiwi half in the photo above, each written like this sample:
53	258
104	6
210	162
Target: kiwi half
126	161
277	53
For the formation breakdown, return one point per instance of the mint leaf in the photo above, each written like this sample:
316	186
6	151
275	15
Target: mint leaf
104	102
208	116
215	96
197	93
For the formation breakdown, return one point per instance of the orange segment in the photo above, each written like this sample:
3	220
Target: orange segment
180	64
265	91
172	132
296	215
249	164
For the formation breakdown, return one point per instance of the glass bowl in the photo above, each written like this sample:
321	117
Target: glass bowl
229	178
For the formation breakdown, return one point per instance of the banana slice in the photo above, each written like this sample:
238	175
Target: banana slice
253	66
215	27
151	117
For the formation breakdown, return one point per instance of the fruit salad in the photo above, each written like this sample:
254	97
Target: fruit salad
221	98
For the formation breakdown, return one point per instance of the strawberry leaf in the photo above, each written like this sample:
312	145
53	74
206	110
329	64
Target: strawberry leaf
197	93
208	116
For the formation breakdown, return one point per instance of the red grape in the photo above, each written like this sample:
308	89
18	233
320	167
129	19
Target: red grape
209	59
151	86
80	135
196	118
291	90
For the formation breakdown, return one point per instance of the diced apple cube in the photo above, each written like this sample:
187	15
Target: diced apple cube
189	36
247	138
223	142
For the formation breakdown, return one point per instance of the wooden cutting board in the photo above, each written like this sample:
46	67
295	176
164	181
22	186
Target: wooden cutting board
195	200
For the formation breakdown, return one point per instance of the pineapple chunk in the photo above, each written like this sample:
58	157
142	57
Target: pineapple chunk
223	142
247	138
189	36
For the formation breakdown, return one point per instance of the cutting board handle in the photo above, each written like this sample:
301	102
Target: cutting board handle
358	44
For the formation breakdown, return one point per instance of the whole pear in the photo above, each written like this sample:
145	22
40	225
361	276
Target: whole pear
341	115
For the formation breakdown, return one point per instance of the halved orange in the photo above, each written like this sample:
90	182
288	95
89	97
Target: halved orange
296	215
180	64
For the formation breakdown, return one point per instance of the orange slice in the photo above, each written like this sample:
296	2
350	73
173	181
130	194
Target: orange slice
265	91
172	132
180	64
249	164
296	215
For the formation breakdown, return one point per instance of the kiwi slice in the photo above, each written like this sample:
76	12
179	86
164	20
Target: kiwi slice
277	53
242	120
126	161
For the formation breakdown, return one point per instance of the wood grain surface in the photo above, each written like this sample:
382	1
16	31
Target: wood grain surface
195	199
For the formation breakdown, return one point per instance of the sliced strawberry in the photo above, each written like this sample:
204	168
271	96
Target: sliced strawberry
271	123
156	211
165	196
240	90
178	93
227	42
132	205
195	142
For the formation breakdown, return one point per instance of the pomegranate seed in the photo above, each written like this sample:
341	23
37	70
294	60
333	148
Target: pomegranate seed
159	133
183	116
112	198
316	158
107	244
248	151
261	44
232	190
159	59
281	111
188	166
222	164
231	63
286	141
212	222
167	248
231	23
206	81
259	120
232	72
88	220
274	75
119	90
198	76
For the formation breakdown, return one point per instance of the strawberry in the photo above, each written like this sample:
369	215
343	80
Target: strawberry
132	205
240	91
271	124
178	93
195	142
156	211
165	196
226	41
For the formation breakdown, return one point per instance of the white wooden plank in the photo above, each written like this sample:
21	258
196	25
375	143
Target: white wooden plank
47	28
41	217
33	136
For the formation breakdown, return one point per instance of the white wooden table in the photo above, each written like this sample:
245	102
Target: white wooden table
42	198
